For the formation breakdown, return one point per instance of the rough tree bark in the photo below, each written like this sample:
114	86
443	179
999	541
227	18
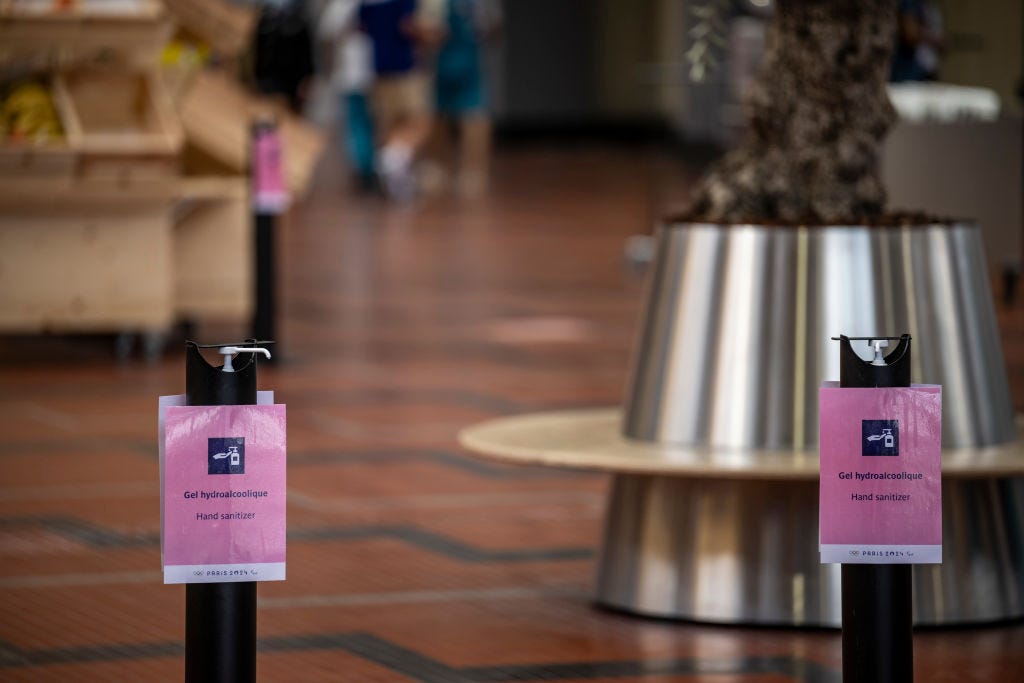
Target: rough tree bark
818	111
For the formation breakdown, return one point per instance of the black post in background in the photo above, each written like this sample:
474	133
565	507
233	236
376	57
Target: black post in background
220	618
264	319
877	598
265	166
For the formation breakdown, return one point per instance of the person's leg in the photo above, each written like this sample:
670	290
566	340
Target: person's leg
386	109
408	135
417	113
462	93
474	152
394	158
360	128
436	158
412	133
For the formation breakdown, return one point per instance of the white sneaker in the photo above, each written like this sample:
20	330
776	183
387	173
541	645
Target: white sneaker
396	173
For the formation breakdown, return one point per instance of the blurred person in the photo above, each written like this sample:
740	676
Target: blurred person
461	88
918	42
401	99
351	77
283	51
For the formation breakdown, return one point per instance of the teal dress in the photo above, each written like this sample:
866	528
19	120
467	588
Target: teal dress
460	81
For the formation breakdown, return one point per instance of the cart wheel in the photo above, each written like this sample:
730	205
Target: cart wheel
124	344
153	346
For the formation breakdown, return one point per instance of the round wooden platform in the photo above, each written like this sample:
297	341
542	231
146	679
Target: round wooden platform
592	439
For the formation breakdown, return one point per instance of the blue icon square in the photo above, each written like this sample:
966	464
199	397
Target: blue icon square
226	455
880	437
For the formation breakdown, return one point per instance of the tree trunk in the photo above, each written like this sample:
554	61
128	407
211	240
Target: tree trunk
818	111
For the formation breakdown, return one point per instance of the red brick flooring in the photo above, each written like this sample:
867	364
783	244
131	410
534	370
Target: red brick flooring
408	560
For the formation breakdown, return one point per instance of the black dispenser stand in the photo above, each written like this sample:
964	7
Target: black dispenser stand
265	223
264	321
877	598
220	618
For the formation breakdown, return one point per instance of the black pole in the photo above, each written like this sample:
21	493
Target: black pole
220	618
264	319
265	219
877	598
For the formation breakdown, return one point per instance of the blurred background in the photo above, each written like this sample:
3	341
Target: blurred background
407	101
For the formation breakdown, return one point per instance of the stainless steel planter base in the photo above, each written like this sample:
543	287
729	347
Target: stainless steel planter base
746	551
733	346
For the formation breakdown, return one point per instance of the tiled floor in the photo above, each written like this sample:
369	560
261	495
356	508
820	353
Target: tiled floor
407	560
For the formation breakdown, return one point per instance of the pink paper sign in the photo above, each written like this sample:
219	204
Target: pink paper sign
881	479
224	494
268	192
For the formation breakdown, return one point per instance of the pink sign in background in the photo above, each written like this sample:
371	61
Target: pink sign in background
256	534
854	525
269	192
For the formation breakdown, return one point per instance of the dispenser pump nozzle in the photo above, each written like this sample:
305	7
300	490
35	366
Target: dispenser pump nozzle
229	351
877	345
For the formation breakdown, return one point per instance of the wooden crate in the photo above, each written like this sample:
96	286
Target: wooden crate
227	27
74	259
121	124
213	250
117	112
217	114
136	30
